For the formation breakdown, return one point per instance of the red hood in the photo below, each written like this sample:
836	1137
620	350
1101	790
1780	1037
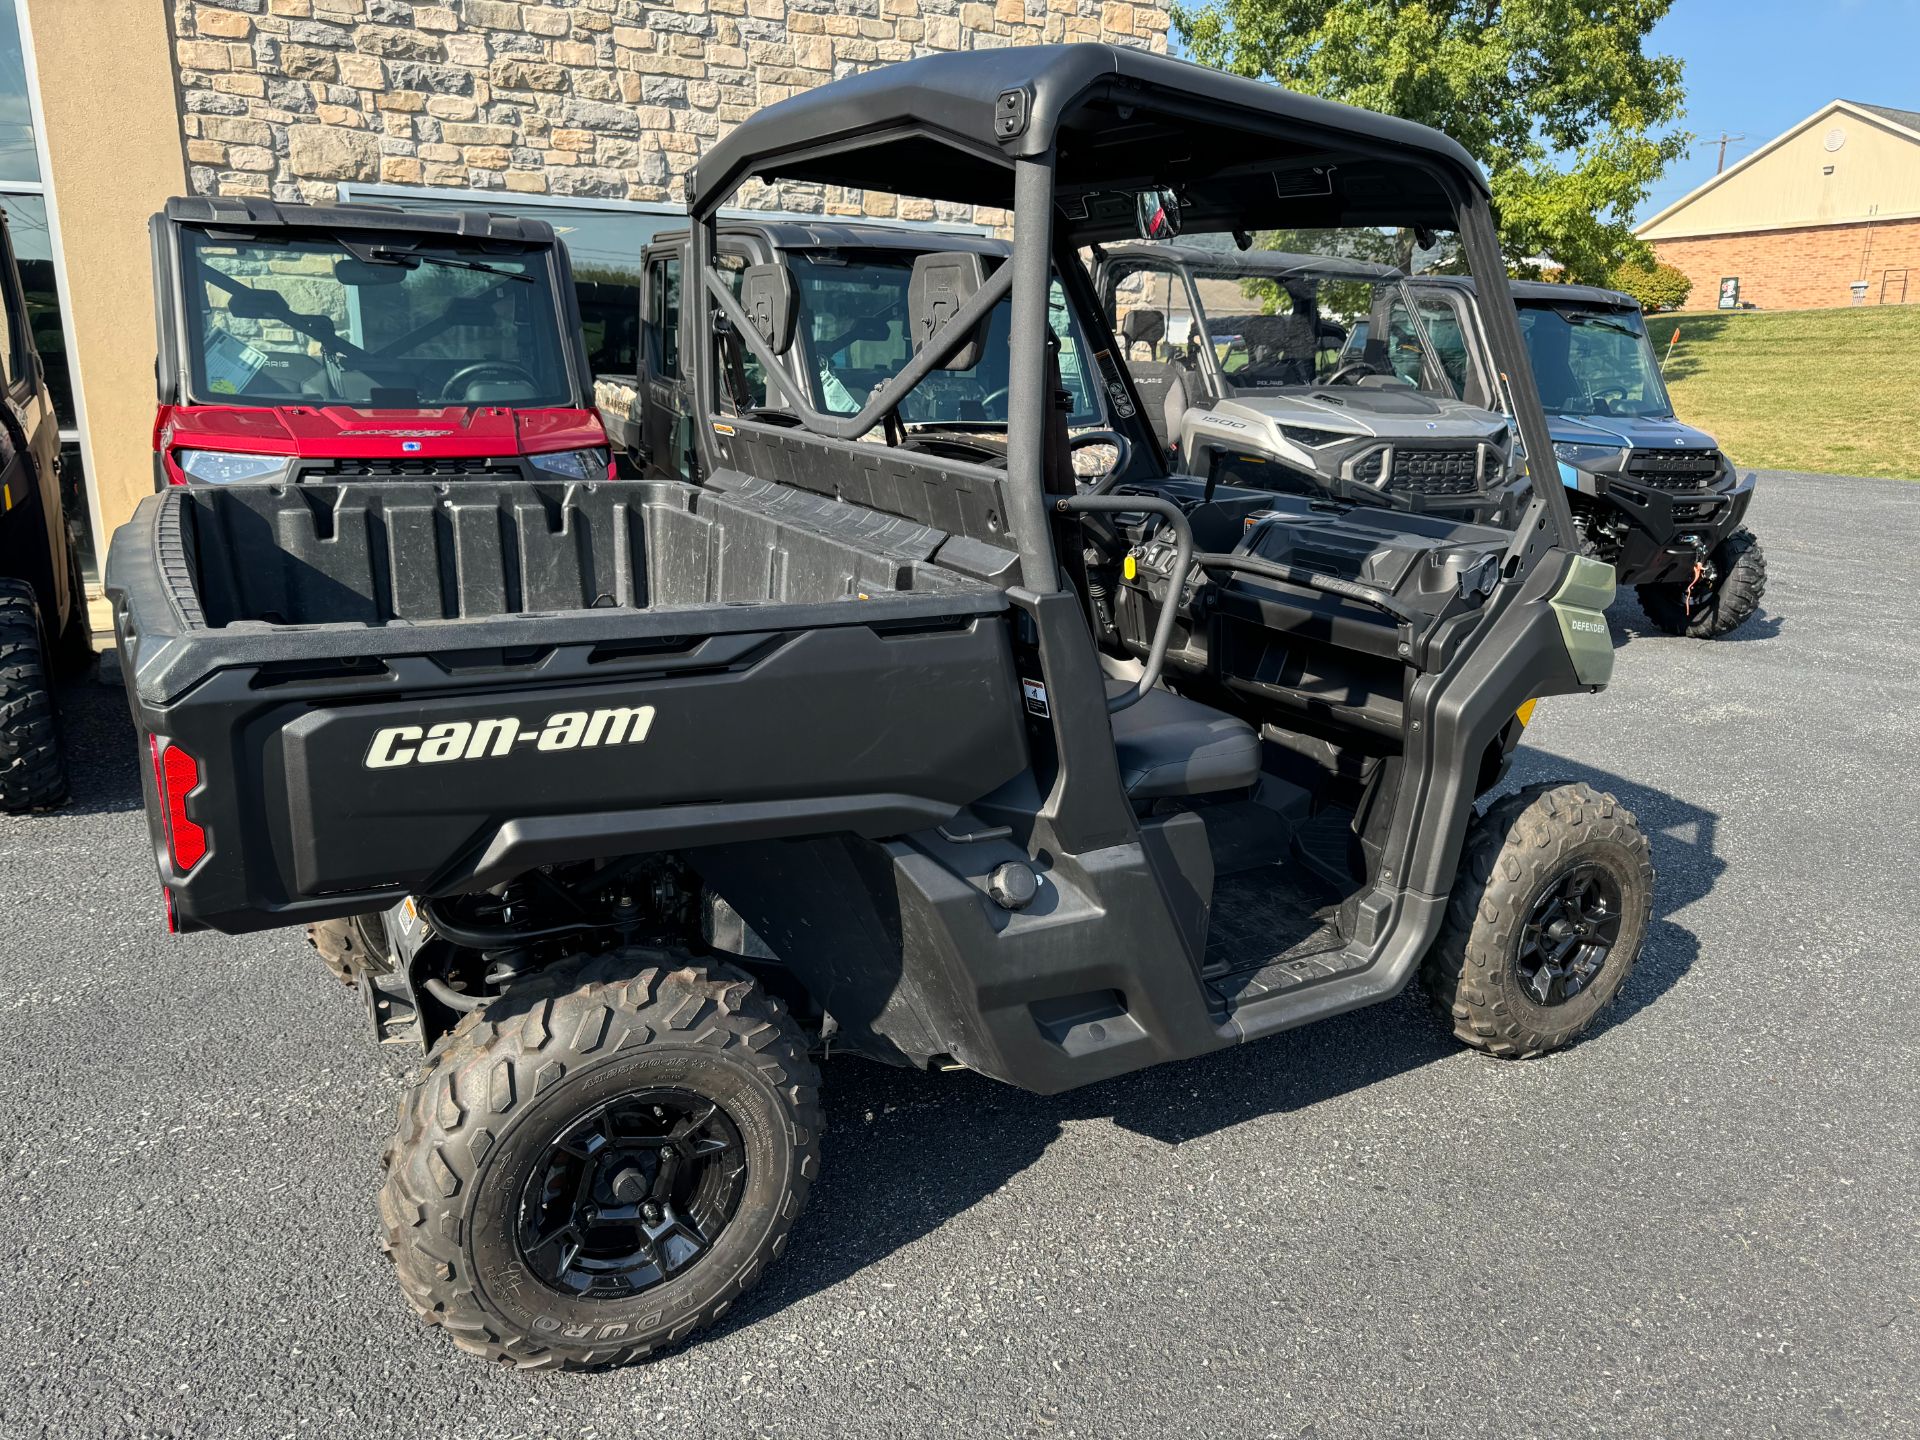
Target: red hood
341	432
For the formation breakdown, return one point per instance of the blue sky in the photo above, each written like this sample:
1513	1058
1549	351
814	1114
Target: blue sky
1758	67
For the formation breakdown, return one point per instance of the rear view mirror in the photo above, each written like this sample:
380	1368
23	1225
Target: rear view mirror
365	274
1158	214
942	284
767	295
246	303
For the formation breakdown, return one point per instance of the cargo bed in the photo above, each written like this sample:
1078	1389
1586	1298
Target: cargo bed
388	688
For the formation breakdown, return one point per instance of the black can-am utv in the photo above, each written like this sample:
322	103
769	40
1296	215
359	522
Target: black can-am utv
856	741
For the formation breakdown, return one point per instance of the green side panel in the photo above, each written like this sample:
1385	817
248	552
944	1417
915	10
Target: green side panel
1581	606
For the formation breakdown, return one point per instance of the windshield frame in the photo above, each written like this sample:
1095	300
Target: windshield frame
1654	377
546	273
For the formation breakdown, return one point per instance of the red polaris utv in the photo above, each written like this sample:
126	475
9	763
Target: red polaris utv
307	342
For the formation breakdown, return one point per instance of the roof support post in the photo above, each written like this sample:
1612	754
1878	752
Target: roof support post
1489	269
1027	390
696	321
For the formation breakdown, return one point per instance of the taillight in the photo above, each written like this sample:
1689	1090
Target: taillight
175	773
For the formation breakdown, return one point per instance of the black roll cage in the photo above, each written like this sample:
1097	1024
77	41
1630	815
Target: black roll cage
1042	203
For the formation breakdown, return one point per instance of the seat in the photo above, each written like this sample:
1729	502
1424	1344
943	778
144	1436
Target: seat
1168	745
1160	384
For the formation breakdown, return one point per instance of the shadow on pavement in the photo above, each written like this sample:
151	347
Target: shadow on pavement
1629	623
905	1152
103	752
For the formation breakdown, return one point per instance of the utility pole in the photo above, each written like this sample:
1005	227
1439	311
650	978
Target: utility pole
1724	140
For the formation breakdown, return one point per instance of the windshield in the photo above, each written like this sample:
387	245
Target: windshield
853	331
1593	362
389	324
1272	319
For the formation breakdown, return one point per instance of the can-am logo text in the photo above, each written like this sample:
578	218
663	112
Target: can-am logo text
491	738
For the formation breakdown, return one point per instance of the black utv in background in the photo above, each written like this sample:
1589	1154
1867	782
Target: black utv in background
878	733
852	284
43	603
1656	499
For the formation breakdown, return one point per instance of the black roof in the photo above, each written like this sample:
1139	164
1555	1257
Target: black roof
1547	290
1238	264
1115	117
241	212
789	233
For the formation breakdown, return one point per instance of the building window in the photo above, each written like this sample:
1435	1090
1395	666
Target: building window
23	197
19	157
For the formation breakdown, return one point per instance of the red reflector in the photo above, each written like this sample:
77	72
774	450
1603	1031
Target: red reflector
175	773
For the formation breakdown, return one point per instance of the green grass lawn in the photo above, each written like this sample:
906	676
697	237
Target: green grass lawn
1830	390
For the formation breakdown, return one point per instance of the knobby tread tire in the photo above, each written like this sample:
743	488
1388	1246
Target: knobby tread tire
561	1024
1521	842
347	949
33	766
1743	580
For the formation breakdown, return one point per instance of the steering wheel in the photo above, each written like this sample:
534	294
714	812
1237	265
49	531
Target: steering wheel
1122	457
1357	369
466	375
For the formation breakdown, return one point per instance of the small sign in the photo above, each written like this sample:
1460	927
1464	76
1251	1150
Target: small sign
231	362
1730	292
1035	694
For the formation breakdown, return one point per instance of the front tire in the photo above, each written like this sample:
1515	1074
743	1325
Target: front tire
1740	569
33	766
601	1162
1545	922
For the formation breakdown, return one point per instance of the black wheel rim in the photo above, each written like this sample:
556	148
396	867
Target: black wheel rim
1572	929
631	1194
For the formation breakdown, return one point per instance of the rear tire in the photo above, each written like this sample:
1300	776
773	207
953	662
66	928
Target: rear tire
531	1119
1520	967
352	946
1742	569
33	767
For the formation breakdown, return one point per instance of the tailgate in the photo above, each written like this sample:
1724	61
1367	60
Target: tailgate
331	768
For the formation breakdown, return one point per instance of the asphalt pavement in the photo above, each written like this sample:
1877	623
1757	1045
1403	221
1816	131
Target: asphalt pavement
1703	1220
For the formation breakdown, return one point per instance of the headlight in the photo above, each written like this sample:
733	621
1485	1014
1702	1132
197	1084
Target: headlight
1307	435
230	467
1586	454
572	464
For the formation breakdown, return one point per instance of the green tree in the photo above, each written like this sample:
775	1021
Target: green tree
1558	99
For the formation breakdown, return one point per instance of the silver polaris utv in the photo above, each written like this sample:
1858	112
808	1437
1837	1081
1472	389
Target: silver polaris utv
1244	363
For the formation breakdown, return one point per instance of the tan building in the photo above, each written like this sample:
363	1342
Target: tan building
1826	215
586	113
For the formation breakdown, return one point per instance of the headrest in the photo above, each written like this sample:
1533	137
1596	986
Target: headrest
1144	327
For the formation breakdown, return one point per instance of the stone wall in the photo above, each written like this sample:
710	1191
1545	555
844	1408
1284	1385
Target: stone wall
612	98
